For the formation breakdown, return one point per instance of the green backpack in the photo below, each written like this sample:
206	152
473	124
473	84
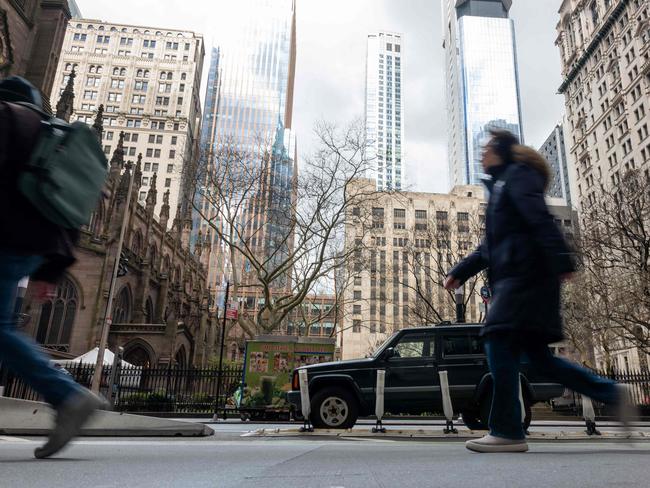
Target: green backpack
66	172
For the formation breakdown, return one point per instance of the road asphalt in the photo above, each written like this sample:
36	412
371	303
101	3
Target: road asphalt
230	459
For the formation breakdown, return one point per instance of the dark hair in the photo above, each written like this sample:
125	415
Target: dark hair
503	142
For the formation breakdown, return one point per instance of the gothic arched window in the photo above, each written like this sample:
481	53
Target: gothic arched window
122	307
136	243
57	316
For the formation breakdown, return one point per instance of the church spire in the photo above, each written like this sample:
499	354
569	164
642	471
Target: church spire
98	125
64	107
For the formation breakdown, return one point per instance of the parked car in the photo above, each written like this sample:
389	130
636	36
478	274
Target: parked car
341	392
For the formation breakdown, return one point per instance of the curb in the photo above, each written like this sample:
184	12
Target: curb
439	435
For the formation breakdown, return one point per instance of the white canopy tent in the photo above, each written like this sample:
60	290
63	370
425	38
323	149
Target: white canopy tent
130	379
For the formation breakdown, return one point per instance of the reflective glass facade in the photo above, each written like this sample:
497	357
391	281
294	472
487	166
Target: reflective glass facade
554	151
490	85
482	82
384	108
249	102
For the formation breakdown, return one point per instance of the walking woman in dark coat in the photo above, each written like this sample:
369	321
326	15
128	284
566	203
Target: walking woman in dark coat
526	259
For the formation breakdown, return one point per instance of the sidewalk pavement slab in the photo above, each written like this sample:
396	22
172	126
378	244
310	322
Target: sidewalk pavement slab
23	417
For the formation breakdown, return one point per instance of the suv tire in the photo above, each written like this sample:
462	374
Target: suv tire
334	408
472	420
486	405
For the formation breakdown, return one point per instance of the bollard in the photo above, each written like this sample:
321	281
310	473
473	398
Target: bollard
589	415
522	406
305	403
447	407
379	401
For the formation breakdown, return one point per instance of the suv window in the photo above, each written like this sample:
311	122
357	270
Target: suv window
461	345
414	346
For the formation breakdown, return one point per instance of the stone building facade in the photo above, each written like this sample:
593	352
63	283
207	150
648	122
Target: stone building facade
148	81
411	241
605	53
31	37
161	311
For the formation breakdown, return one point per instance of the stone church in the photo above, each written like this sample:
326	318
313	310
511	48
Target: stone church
161	308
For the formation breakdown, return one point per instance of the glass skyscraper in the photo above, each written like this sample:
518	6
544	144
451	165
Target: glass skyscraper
482	81
249	105
384	109
554	151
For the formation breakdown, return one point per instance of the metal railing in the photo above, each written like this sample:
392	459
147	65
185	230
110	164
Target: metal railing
153	390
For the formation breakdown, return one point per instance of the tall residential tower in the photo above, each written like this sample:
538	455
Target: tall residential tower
482	81
384	109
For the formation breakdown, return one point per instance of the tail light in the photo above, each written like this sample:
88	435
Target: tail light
295	382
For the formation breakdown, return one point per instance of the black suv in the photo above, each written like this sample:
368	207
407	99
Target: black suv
340	392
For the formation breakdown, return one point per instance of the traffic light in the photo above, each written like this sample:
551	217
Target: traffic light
122	267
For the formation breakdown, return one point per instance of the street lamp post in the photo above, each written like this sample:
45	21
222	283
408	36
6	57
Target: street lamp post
460	305
215	417
106	325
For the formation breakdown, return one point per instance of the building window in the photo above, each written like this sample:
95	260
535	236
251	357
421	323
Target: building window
170	168
356	326
172	154
168	182
122	307
57	316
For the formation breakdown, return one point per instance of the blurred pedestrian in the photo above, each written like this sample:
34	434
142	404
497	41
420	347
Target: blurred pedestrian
31	245
526	258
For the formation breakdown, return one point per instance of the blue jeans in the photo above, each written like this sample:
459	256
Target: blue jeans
504	357
19	353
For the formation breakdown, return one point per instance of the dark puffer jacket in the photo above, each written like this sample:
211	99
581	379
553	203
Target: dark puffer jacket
22	228
524	253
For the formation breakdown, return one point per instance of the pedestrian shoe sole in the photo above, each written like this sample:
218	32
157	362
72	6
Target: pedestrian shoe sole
479	447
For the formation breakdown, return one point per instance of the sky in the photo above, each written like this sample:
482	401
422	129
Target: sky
330	71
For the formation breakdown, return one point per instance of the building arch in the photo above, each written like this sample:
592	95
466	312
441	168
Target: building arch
123	306
139	352
58	314
136	243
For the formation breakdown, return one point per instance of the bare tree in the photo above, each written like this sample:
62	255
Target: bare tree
615	246
281	234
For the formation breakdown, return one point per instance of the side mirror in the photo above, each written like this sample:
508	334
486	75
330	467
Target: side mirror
389	353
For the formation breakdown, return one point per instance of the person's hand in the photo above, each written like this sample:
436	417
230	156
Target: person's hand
43	291
451	283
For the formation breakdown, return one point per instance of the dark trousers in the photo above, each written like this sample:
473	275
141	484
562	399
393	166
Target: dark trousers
504	357
18	352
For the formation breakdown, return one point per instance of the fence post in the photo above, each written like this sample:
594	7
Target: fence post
305	402
589	415
379	401
116	369
446	403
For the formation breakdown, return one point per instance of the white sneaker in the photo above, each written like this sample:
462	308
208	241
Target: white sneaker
490	443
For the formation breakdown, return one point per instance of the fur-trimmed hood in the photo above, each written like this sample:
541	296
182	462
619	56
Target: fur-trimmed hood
527	155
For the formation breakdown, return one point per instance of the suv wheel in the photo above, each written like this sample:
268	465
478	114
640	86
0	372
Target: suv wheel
334	408
472	420
486	405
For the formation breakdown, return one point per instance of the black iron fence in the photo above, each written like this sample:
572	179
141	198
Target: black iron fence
154	390
639	387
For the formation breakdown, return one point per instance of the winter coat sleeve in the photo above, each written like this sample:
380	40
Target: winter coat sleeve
526	190
471	265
